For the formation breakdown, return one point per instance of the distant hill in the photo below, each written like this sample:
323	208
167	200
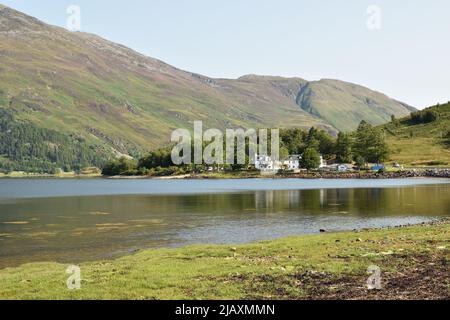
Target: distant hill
422	139
344	105
111	100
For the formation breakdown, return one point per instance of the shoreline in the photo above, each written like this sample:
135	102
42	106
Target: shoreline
426	173
280	269
430	222
410	173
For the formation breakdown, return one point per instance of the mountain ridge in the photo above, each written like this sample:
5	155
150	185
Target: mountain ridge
113	97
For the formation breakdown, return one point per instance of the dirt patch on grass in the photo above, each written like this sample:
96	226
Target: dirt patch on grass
427	279
417	277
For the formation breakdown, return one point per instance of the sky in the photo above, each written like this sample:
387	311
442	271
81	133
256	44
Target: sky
400	48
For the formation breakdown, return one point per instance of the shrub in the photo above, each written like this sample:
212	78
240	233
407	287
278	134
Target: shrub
164	172
123	166
360	162
425	116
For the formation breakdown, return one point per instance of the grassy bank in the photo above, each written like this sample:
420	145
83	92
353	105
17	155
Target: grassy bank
414	262
21	174
421	144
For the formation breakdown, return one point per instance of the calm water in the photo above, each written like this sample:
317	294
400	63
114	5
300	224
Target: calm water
76	220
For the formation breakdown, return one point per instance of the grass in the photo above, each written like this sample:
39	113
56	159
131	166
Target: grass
229	175
72	174
419	151
421	144
130	107
413	261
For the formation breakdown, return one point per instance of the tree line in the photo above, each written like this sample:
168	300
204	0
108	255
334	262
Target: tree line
366	145
26	147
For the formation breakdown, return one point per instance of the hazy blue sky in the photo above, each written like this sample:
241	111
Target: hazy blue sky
408	58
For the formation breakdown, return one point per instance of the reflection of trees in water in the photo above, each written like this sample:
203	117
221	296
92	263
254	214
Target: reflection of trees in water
137	221
420	200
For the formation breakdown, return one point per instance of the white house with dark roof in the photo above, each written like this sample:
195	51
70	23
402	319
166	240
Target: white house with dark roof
292	162
264	162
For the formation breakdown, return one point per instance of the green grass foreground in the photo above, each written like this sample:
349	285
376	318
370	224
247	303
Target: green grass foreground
414	263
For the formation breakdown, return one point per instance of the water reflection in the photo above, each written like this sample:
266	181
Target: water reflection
410	201
72	229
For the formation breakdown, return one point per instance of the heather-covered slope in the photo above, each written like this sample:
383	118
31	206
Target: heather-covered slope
115	99
344	105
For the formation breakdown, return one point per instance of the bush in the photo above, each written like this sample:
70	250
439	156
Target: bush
90	170
132	172
164	172
437	163
144	172
123	166
425	116
158	158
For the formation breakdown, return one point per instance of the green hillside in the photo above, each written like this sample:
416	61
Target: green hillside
121	102
421	140
344	104
45	149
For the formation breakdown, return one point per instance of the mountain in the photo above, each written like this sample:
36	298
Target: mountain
100	96
422	139
344	105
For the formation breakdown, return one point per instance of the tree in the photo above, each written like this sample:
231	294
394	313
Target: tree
370	144
284	153
293	140
363	137
120	167
27	147
310	159
379	148
297	141
424	116
320	140
344	152
360	162
158	158
312	143
326	144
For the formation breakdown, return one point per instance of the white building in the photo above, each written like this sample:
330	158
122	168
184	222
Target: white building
264	162
292	162
323	163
